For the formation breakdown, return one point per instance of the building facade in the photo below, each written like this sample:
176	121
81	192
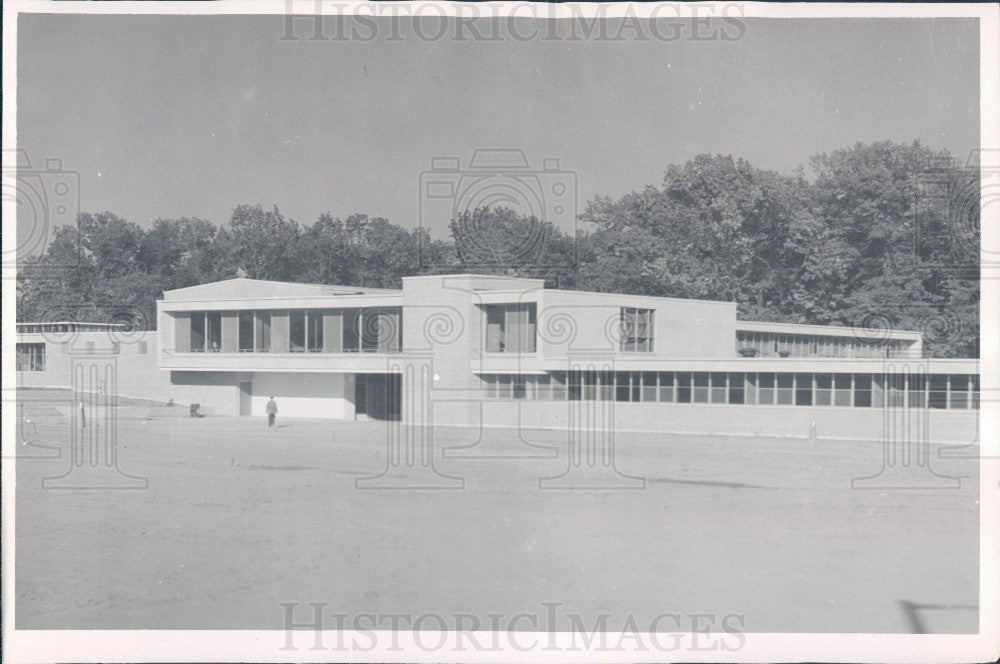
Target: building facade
478	350
82	356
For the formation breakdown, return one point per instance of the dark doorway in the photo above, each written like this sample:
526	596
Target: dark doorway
378	396
246	391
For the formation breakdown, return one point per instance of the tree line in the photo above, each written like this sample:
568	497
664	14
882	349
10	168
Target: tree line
881	235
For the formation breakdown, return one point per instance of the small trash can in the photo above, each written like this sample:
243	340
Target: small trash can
194	409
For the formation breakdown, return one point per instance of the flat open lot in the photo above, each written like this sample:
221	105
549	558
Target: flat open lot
238	518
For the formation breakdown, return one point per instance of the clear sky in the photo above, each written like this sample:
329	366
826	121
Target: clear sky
190	116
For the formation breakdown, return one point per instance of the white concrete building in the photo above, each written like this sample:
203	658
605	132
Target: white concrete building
478	350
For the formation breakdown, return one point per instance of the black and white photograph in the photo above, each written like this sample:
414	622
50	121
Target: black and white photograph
545	332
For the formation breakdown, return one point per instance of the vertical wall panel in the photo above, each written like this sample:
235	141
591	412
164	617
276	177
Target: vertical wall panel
279	332
333	330
389	331
230	331
182	332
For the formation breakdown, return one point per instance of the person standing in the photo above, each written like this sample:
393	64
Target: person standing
272	412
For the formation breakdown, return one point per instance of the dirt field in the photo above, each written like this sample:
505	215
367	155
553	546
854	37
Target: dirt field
238	518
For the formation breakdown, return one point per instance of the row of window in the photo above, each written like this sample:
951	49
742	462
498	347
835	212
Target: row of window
309	331
860	390
31	356
636	330
770	344
512	328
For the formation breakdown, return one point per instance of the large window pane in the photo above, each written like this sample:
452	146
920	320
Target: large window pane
623	388
701	387
297	331
489	382
559	391
636	329
824	389
246	331
684	387
351	334
803	389
718	387
607	379
494	329
519	389
575	392
314	331
916	390
511	328
842	390
765	391
959	384
736	388
862	390
938	392
30	357
198	331
649	386
263	331
895	390
543	389
878	390
590	386
667	386
750	384
785	383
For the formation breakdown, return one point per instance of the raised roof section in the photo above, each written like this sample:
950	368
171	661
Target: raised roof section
255	289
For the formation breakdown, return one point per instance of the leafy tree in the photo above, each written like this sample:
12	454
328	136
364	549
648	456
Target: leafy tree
498	240
261	244
910	238
717	229
886	234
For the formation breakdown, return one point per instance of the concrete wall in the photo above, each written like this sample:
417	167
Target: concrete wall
439	339
216	392
865	424
134	364
571	323
313	395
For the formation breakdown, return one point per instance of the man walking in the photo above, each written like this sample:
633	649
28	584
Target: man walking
272	411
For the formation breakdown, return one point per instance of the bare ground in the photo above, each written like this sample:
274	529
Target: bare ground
237	519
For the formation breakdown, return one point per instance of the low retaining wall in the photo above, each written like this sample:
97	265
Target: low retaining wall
860	424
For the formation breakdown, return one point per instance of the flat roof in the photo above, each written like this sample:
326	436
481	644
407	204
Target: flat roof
75	323
830	330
